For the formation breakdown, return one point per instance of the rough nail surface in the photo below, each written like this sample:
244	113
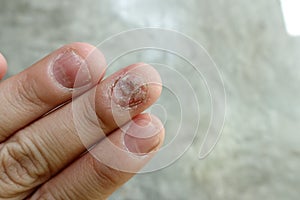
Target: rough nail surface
71	71
129	91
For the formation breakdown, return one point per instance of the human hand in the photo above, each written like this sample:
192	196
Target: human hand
42	155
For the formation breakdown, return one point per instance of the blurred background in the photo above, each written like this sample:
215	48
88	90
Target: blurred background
258	155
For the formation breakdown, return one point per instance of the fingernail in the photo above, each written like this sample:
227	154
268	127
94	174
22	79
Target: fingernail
71	71
129	91
142	136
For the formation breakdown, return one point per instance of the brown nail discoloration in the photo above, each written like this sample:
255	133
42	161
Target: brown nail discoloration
129	91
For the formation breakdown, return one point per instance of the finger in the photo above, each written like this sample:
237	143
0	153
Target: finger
3	66
47	84
48	145
90	178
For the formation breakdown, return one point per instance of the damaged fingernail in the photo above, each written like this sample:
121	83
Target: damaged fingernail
129	91
70	70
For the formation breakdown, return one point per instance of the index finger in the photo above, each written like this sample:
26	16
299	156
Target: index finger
48	84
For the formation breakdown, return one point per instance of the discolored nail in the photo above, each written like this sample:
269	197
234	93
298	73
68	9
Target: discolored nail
129	91
70	70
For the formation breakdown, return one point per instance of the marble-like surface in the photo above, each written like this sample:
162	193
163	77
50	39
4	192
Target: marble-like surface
258	155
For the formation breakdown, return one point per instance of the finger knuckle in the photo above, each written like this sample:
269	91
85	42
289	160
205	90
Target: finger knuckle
23	164
26	88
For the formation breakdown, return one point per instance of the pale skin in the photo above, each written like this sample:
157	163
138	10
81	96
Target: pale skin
41	153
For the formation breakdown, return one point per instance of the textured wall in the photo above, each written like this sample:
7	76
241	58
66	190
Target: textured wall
258	156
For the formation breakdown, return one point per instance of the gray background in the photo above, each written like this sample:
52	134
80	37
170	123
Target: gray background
258	154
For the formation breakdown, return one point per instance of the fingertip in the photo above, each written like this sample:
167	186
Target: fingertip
3	66
136	87
147	120
133	145
155	121
143	135
152	79
150	75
